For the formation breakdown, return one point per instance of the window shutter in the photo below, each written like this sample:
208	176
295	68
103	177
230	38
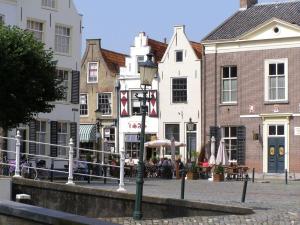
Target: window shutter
53	138
153	105
32	136
73	134
241	145
215	131
124	106
75	87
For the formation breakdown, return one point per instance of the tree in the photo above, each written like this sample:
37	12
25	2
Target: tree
28	80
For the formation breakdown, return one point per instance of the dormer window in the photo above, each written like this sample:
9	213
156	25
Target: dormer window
179	56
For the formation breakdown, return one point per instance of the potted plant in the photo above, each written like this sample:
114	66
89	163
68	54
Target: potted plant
218	173
192	171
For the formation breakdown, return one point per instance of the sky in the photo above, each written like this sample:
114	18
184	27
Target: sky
117	22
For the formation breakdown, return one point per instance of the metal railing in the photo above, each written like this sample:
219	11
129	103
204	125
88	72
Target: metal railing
70	159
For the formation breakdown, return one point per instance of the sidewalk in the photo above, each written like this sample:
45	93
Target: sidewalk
274	202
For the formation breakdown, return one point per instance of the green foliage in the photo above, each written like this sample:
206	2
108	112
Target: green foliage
219	169
28	81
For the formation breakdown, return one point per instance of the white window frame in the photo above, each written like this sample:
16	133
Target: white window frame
63	36
171	86
111	97
87	105
64	142
36	31
49	6
41	148
88	73
267	93
229	148
230	79
64	83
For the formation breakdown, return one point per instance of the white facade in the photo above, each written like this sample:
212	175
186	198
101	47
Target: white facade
58	25
176	111
130	126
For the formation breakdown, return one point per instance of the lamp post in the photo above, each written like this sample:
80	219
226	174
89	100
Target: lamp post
190	127
148	70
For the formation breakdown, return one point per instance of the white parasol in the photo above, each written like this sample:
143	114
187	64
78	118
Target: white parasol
212	159
222	158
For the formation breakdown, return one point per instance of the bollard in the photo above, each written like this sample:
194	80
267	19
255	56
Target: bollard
70	177
286	176
182	184
89	177
18	144
52	168
104	174
122	164
245	188
253	174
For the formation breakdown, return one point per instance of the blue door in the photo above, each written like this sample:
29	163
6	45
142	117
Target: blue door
276	154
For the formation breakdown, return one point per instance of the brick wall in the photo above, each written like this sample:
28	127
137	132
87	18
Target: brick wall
250	72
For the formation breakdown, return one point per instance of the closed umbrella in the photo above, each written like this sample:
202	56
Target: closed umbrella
212	159
222	158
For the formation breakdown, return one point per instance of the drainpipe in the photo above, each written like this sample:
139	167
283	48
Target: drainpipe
117	87
203	90
216	86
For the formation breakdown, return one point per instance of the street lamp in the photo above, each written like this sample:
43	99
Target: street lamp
148	70
190	127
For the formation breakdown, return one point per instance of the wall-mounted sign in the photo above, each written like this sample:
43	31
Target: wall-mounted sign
135	125
251	109
276	108
297	131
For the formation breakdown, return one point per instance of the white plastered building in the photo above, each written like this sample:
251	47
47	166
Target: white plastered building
180	93
57	24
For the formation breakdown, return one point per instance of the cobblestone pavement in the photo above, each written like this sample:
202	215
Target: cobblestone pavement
274	202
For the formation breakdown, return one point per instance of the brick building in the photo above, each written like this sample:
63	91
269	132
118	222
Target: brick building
99	71
250	86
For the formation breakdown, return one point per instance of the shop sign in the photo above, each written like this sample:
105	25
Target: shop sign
135	125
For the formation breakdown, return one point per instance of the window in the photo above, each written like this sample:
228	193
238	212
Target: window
62	39
229	84
230	139
139	59
172	131
179	56
49	3
37	28
109	134
132	145
62	133
83	105
40	137
276	130
2	19
104	103
179	90
92	72
63	76
276	80
136	104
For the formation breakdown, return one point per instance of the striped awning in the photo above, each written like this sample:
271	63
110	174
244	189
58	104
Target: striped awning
87	132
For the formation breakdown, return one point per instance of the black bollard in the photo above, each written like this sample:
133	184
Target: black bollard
51	173
286	176
89	177
182	184
253	174
245	188
104	171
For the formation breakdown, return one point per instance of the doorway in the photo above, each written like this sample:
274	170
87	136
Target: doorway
276	149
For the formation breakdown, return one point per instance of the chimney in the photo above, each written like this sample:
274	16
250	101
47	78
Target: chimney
245	4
